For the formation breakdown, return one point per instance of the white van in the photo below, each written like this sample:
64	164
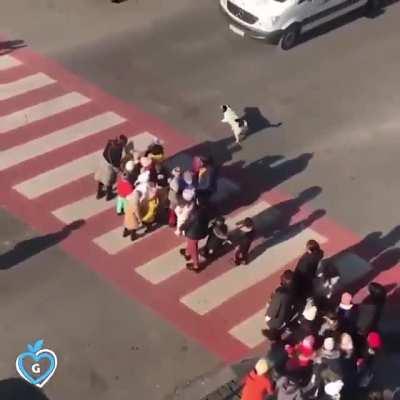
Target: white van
282	21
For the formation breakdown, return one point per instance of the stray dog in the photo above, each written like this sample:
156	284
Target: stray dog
238	125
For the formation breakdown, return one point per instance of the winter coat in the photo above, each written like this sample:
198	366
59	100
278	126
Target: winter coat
161	177
306	270
215	240
124	187
196	226
182	213
324	291
329	360
279	309
132	217
367	317
151	211
347	318
245	240
173	196
105	173
256	387
206	180
113	153
287	390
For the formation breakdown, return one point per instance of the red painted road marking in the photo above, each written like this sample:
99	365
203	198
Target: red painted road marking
211	329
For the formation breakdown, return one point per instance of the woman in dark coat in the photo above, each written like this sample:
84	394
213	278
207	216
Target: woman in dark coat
206	179
370	310
281	306
195	228
110	162
325	287
306	268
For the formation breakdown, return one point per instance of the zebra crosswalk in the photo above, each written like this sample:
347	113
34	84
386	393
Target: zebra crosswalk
46	177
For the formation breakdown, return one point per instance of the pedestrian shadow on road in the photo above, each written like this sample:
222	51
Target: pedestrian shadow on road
9	46
379	250
254	178
30	247
274	224
256	121
17	388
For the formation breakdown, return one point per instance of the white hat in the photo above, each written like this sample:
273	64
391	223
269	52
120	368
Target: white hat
334	388
310	312
129	166
261	366
188	194
329	344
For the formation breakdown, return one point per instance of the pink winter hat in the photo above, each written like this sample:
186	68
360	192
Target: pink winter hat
374	340
308	342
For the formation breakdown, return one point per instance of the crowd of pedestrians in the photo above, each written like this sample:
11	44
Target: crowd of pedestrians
327	343
149	194
323	345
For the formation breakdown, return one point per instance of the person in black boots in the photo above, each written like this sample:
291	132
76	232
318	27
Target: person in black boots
108	168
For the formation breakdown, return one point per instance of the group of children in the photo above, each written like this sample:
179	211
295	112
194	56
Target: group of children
148	194
323	346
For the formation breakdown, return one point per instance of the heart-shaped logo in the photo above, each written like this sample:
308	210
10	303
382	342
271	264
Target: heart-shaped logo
36	365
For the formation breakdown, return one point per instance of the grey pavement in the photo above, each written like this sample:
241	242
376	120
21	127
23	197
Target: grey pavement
108	347
337	96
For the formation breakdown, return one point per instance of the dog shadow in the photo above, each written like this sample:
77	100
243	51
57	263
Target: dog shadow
256	121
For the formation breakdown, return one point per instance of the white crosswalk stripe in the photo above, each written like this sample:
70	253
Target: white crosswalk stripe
171	263
112	242
41	111
71	171
57	139
7	62
82	209
24	85
249	331
224	287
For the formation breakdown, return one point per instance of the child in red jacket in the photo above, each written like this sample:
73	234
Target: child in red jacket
257	384
124	187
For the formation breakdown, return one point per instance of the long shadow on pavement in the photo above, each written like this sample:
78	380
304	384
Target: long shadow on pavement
17	388
376	248
28	248
9	46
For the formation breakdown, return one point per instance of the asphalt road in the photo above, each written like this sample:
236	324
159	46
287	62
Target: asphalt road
336	94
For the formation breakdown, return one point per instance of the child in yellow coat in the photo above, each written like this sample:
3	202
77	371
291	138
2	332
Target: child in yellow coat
151	208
